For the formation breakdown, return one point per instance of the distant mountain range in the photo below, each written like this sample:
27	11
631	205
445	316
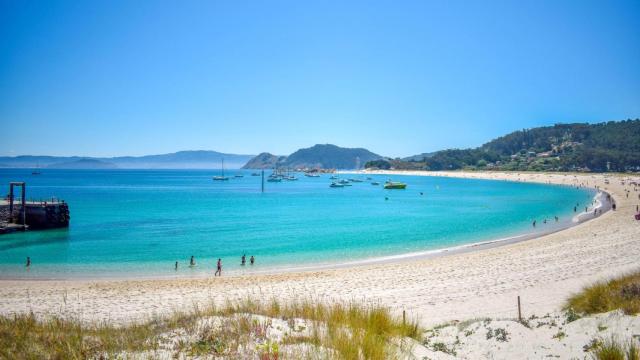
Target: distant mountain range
179	160
83	164
318	156
606	146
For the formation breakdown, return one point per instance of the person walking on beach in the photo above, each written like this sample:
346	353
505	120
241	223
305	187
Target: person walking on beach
219	271
192	262
252	260
244	259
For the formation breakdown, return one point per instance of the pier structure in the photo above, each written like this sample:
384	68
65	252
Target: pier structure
31	215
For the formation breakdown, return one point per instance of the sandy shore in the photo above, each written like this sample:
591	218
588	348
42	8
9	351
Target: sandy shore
483	283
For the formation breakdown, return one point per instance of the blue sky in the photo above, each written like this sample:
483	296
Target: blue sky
107	78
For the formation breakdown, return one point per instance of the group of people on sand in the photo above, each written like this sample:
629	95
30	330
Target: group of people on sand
192	263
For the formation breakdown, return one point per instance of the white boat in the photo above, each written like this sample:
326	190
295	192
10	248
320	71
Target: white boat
336	185
221	177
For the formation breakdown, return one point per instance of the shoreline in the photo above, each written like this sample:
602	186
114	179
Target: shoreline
477	283
465	247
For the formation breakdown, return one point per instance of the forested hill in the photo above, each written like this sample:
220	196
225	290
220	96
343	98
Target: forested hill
606	146
325	156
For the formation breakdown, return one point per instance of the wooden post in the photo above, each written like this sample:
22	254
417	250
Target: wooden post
24	205
10	201
519	311
404	316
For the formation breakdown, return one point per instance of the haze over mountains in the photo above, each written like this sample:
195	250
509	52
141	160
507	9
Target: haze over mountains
200	159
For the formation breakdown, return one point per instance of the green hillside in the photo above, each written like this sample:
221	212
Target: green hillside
613	146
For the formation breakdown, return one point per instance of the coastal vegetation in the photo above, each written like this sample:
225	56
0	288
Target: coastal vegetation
245	329
610	146
619	293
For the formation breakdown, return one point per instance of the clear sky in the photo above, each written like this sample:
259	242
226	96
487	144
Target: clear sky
107	78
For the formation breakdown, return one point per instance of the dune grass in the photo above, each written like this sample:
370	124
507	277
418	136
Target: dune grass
619	293
612	349
339	330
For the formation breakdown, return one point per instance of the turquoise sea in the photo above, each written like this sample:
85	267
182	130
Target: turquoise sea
128	223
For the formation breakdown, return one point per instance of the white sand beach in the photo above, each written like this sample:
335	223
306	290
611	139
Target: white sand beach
484	283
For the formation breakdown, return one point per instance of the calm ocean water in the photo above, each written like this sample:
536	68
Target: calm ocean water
139	222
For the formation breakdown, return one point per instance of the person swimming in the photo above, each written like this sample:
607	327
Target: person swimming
192	262
252	260
219	271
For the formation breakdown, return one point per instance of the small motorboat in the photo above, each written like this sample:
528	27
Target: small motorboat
255	174
355	180
375	183
336	185
239	176
394	185
274	179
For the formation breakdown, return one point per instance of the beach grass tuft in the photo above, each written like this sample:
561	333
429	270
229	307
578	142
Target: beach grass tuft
336	330
619	293
613	349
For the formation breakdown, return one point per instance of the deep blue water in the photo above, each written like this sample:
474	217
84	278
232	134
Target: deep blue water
139	222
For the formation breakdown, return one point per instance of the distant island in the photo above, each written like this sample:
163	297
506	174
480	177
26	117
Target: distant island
83	164
610	146
195	159
319	156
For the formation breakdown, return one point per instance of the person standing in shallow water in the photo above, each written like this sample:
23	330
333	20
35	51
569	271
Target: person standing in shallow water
192	262
219	271
176	266
244	259
252	260
28	262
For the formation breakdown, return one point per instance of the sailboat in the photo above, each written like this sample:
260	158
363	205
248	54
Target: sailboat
221	177
37	170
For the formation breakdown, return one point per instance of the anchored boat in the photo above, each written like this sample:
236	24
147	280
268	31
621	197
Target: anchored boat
221	177
394	185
